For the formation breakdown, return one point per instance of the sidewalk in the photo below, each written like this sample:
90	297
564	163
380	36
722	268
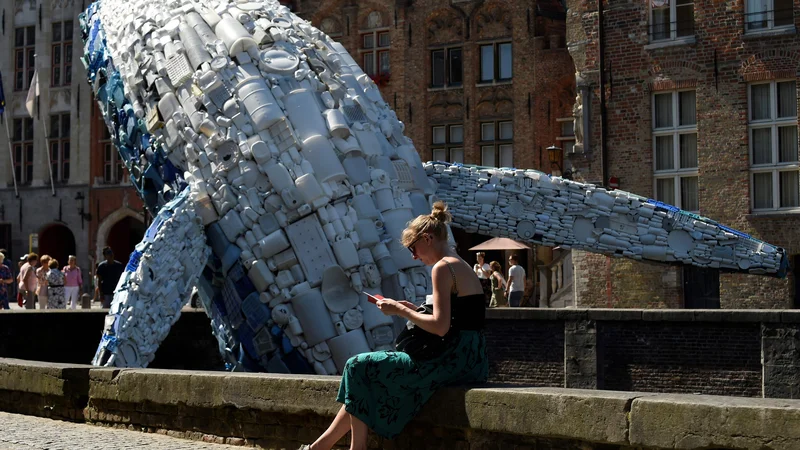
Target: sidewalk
20	432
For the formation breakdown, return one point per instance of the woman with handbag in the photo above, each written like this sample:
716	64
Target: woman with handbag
443	345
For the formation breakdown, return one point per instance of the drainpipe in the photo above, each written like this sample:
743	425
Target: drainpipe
601	61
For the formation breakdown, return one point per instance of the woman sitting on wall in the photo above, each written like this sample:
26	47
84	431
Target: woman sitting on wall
384	390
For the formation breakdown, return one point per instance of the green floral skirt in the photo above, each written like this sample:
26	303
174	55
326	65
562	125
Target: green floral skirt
386	389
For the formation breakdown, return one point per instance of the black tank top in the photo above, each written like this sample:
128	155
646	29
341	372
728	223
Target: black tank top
467	312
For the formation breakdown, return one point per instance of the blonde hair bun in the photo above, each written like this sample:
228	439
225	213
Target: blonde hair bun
440	212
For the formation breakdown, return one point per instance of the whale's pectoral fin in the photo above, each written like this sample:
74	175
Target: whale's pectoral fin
533	207
156	284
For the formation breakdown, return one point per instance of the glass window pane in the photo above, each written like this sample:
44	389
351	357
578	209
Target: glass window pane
756	16
383	39
487	156
439	135
31	35
787	99
56	81
665	157
762	146
437	68
487	62
54	126
759	102
487	131
506	65
17	130
369	63
684	19
439	154
762	190
457	155
65	125
787	144
688	151
687	108
369	41
506	130
19	37
65	149
384	60
56	30
663	110
661	24
689	195
68	30
68	53
665	190
506	156
456	134
456	67
790	189
29	130
568	128
29	154
65	172
567	146
783	13
107	154
107	173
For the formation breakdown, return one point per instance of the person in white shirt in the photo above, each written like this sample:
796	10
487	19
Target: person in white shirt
484	272
515	286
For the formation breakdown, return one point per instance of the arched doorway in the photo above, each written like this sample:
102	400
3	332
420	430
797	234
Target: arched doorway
123	237
57	241
120	230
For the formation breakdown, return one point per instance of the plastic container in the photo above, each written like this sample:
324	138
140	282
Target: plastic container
313	316
309	188
320	153
337	124
236	38
305	115
273	244
259	102
195	48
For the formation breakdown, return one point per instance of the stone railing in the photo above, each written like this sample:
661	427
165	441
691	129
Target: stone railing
284	411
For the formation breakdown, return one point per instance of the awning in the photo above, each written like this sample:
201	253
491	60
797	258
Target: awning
500	244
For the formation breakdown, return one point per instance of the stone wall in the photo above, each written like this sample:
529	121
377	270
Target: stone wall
722	352
284	411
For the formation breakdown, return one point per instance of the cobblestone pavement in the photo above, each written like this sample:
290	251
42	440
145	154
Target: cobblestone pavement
18	432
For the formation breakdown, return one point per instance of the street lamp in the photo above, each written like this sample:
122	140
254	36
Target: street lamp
554	153
81	211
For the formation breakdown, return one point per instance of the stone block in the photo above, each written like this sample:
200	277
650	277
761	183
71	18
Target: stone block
693	422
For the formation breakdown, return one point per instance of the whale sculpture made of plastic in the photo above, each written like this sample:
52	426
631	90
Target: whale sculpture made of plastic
281	181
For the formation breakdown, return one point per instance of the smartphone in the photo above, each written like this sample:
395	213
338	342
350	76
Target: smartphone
372	298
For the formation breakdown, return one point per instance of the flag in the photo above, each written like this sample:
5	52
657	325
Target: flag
33	93
2	96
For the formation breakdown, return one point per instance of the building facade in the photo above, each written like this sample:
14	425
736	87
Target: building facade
44	161
697	108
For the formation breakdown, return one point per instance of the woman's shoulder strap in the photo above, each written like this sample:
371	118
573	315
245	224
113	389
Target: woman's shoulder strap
452	272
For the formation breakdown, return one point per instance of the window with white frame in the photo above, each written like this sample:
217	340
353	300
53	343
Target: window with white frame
448	143
61	67
671	19
446	67
774	168
566	136
496	62
675	149
497	144
59	146
375	46
22	141
768	14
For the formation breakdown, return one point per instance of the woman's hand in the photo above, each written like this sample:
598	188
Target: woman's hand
393	307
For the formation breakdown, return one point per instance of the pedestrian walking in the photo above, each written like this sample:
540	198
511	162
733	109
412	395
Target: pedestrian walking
28	281
6	280
55	287
107	275
498	285
73	282
483	271
516	282
41	278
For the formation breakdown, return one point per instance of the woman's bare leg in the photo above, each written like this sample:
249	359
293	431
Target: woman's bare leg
358	439
338	428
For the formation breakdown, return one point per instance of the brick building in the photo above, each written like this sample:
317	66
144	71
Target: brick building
700	102
50	217
478	82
